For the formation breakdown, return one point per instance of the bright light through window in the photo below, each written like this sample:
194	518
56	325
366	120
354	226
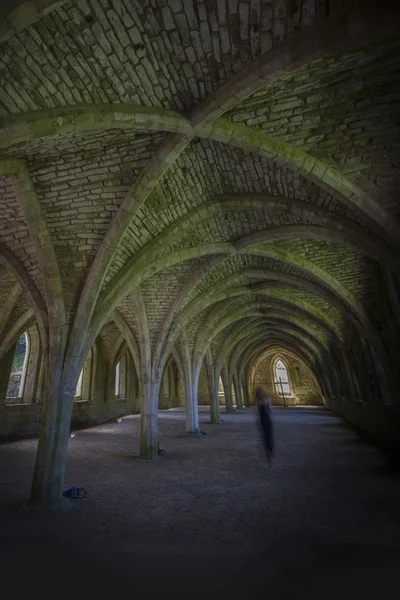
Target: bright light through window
282	379
78	391
19	368
117	372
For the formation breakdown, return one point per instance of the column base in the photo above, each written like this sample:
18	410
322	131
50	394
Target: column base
148	457
194	433
43	507
149	452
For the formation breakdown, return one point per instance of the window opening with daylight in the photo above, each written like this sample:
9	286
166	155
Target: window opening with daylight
117	378
19	367
282	384
78	390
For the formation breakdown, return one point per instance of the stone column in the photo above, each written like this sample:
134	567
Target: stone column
51	456
190	387
173	385
150	383
246	395
161	397
215	412
149	419
192	409
227	392
238	393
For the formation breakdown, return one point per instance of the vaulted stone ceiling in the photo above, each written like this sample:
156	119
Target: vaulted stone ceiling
209	171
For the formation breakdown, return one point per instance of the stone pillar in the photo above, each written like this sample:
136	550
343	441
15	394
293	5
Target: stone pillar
246	395
192	409
149	419
51	456
212	382
150	383
190	386
215	412
238	393
161	398
131	384
227	392
173	385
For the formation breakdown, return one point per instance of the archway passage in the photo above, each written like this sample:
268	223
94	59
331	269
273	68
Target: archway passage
192	184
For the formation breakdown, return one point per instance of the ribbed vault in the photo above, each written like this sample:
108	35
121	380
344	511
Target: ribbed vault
193	188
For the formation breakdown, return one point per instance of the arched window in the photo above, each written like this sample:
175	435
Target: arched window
84	386
121	377
282	384
19	368
78	391
117	378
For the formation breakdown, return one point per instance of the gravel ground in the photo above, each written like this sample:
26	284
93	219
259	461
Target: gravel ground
209	517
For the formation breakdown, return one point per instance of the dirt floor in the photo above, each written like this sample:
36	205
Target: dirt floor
209	518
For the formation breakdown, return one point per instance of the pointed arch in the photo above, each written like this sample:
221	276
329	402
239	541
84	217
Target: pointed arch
281	378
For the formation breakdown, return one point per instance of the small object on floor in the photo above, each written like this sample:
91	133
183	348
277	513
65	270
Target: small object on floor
72	435
203	432
119	420
160	452
74	491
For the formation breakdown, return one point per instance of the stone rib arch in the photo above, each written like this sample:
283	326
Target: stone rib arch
10	262
234	338
249	342
9	305
129	337
207	298
279	254
219	322
215	313
192	284
240	350
311	168
213	330
332	228
42	240
19	327
330	36
39	124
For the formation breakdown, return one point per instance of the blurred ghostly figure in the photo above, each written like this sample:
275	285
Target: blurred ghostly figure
263	405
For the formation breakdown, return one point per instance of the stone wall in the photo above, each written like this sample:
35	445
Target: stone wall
23	420
379	423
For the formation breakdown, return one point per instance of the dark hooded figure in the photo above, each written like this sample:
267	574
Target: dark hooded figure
263	405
